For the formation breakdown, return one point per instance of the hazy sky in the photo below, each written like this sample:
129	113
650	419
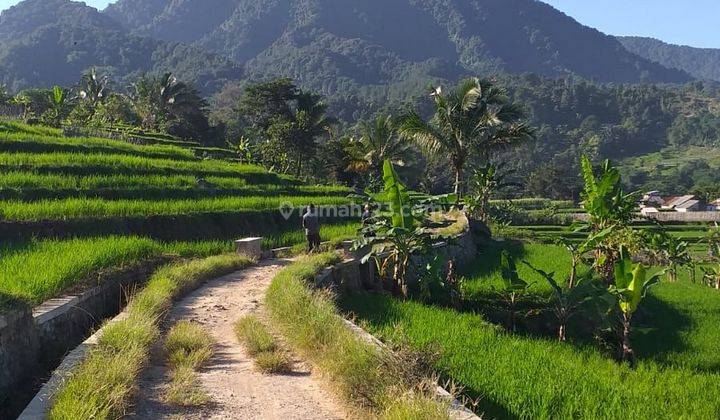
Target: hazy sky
689	22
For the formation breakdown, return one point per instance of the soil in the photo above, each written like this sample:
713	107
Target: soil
237	389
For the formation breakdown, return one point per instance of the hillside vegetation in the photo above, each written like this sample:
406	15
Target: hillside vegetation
328	45
701	63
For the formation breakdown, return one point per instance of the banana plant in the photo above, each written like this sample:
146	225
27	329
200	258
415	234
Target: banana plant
569	297
399	230
59	104
514	288
631	286
711	275
607	206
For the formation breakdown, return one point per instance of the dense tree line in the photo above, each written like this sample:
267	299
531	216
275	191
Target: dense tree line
290	129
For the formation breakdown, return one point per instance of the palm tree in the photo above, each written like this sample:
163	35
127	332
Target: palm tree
93	87
477	117
310	122
379	141
158	99
4	97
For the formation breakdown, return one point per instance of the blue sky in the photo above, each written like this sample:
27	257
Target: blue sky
688	22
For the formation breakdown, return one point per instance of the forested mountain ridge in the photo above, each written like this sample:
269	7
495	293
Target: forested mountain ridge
701	63
46	42
366	42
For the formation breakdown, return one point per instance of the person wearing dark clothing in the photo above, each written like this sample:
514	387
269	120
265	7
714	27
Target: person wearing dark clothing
366	216
311	224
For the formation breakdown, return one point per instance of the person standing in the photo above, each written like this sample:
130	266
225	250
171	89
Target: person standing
311	224
367	215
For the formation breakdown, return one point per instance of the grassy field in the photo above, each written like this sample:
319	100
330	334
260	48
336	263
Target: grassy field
693	233
78	208
47	177
38	270
529	376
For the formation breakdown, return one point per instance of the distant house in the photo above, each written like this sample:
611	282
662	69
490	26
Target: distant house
652	199
688	206
677	203
649	211
714	206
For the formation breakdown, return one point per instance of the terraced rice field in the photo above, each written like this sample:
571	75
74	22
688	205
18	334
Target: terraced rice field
46	179
532	375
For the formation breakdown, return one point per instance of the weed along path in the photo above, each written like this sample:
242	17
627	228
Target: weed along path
237	390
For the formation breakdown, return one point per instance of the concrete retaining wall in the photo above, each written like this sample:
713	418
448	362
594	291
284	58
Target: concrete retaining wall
668	216
351	275
32	343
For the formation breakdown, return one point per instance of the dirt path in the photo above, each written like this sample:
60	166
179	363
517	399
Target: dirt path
237	389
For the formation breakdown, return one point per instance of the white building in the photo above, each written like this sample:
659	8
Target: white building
652	199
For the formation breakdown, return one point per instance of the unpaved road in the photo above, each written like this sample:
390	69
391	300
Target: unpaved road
238	391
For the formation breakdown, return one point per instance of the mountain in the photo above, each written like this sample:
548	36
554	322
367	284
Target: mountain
46	42
701	63
338	44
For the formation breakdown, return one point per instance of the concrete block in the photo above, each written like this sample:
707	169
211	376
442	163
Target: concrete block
251	247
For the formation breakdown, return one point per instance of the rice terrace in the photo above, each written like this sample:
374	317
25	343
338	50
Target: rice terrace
341	209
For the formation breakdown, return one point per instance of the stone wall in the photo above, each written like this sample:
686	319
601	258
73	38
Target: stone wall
668	216
351	275
33	342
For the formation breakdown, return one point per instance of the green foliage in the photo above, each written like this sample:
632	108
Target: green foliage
378	141
631	284
474	120
603	197
289	119
701	63
485	181
165	103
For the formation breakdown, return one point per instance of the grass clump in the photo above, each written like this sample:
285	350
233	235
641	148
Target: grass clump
254	336
262	346
185	389
187	344
101	386
367	376
188	347
273	362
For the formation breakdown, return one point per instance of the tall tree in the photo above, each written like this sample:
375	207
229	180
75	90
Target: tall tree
264	103
475	118
288	119
93	87
4	96
165	103
310	121
379	140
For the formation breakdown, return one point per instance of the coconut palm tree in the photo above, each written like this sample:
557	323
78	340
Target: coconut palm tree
4	96
309	122
379	140
162	99
93	87
476	118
